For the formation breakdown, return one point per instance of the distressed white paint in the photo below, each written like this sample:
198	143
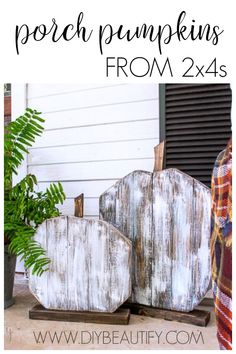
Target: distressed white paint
184	291
90	267
202	227
167	217
57	230
162	235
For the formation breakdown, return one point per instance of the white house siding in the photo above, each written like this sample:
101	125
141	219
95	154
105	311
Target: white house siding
94	135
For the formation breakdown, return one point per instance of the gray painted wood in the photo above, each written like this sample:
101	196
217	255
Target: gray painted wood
167	216
124	213
57	251
162	237
90	265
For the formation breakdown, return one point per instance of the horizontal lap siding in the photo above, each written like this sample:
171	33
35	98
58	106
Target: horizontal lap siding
98	134
92	152
94	135
108	114
111	95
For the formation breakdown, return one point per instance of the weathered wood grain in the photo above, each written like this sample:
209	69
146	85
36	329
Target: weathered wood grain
119	317
159	152
201	258
162	240
90	265
57	250
123	207
79	205
167	216
196	317
142	236
78	266
184	291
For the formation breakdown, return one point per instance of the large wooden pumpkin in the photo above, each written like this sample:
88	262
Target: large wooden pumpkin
90	265
166	215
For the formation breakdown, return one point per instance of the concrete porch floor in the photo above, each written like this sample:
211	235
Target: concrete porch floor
141	333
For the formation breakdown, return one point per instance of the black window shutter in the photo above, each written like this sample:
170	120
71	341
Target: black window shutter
196	125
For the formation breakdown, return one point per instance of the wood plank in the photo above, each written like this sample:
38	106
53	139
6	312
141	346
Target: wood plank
196	317
109	206
119	317
100	266
183	288
101	96
118	207
162	240
117	281
123	208
148	129
90	267
202	225
159	156
78	265
142	236
57	248
79	205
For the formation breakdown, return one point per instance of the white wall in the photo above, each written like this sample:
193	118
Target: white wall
94	134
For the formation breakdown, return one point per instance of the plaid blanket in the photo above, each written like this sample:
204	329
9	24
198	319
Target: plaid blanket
221	245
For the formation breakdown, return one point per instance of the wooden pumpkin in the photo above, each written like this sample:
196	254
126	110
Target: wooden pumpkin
166	215
90	265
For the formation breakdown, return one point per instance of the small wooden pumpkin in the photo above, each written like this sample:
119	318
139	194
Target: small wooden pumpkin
90	265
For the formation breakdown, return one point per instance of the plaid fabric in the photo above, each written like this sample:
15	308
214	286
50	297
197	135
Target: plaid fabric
221	245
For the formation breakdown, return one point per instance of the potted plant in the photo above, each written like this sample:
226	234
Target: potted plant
24	207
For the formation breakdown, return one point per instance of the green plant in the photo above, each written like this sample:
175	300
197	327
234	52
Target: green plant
24	207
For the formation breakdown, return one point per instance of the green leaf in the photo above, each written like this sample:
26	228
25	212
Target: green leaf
21	147
26	208
38	118
29	110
